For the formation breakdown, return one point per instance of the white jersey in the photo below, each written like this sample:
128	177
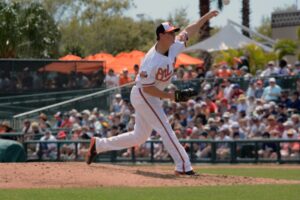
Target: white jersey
157	69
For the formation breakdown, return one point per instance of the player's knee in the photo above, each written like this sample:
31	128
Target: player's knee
141	138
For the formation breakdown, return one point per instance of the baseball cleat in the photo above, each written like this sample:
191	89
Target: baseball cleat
189	173
91	154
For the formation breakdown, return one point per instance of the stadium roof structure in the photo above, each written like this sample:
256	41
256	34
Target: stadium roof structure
229	38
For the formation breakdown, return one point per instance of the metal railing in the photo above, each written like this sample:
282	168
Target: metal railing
234	155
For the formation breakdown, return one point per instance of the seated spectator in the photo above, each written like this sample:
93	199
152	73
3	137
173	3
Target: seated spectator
44	123
259	89
242	105
223	150
58	120
251	88
284	99
295	102
46	150
224	71
271	70
236	92
66	153
286	148
268	149
66	122
256	128
272	92
283	68
296	121
190	74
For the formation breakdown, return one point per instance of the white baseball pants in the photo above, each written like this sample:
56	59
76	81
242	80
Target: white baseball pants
149	116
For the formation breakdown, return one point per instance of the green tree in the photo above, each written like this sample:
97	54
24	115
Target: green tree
285	47
257	57
27	30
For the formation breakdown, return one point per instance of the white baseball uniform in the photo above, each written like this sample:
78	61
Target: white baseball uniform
156	70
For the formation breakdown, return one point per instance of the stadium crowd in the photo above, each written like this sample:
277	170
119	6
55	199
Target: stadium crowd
223	111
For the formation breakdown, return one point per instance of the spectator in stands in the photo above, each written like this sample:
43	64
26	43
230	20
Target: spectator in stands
124	78
212	135
43	122
58	120
136	71
82	81
268	149
200	72
66	122
179	74
111	79
284	99
295	102
46	150
271	70
272	92
296	121
296	70
85	117
98	78
251	88
190	74
283	68
116	104
244	72
72	80
259	90
224	71
223	149
286	148
66	153
26	130
236	92
27	79
96	126
241	103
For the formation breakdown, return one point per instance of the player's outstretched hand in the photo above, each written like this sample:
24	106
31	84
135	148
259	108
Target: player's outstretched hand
212	13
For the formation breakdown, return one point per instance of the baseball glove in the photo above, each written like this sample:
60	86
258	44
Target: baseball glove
184	95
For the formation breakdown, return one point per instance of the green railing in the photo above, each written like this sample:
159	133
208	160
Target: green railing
234	156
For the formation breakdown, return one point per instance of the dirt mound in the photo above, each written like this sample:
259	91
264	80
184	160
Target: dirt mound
75	174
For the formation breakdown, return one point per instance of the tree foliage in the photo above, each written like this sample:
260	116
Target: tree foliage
285	47
27	30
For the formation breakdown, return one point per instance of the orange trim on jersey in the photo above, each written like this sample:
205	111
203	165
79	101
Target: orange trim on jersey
148	84
157	116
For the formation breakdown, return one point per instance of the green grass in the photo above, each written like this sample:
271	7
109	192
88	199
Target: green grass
288	174
257	192
237	192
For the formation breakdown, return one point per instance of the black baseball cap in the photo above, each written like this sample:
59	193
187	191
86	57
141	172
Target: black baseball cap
166	27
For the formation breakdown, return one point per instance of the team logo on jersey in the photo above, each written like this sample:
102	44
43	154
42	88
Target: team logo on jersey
164	74
143	74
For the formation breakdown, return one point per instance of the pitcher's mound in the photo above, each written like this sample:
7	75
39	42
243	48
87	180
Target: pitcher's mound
62	175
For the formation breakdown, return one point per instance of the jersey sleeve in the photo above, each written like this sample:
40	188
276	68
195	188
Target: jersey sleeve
177	47
147	76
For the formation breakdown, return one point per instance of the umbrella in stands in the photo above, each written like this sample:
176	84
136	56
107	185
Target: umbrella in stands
126	60
63	67
184	59
70	57
70	63
108	58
